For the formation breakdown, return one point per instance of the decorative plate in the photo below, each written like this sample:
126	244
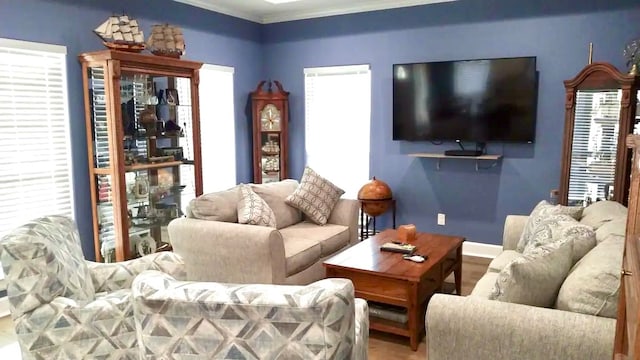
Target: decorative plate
146	245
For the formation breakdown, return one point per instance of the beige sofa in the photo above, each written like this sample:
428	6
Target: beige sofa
216	248
477	328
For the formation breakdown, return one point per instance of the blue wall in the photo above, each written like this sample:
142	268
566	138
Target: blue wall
211	38
475	203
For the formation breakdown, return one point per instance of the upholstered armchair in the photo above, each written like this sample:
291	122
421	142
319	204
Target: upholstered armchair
64	307
207	320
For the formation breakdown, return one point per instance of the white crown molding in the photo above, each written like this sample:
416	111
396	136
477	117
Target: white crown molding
346	9
308	14
222	9
480	250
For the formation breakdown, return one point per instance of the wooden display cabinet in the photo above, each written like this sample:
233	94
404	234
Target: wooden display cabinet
270	112
600	111
143	143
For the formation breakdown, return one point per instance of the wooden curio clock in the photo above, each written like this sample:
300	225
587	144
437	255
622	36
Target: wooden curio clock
270	111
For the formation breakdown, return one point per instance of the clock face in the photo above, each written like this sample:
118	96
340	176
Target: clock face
270	118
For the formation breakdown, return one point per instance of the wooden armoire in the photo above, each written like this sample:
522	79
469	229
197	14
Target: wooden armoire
627	340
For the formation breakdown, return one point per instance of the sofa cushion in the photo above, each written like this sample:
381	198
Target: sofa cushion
217	206
315	196
592	287
502	260
484	286
253	210
601	212
331	237
300	253
562	228
617	227
274	194
535	278
540	212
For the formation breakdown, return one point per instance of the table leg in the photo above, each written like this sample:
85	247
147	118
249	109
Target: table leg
374	226
457	272
361	222
393	203
412	315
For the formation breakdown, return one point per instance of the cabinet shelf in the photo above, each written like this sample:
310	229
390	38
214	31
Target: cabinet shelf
159	165
495	158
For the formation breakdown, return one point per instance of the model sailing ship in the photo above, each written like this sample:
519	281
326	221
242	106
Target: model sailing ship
271	165
121	33
166	40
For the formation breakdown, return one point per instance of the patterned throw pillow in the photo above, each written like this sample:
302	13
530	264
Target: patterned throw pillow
315	196
535	278
562	228
539	213
253	210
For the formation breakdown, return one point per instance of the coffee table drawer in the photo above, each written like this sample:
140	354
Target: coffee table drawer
375	287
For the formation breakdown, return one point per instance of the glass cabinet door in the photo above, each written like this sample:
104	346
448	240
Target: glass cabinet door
156	146
594	145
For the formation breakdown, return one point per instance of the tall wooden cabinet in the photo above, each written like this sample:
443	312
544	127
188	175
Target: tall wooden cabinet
143	143
270	112
627	340
600	111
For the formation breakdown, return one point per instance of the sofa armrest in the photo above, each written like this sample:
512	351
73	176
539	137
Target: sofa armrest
513	227
346	213
472	328
229	252
119	275
361	346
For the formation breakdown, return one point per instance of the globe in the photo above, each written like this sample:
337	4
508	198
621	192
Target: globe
374	197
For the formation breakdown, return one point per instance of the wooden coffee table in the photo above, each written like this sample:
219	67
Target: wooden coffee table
387	278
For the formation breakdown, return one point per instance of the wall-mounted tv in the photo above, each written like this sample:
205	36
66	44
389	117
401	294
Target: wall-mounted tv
468	100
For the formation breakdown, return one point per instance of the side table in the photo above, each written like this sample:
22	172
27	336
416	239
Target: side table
366	219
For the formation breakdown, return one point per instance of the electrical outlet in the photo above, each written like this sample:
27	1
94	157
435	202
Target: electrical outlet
441	219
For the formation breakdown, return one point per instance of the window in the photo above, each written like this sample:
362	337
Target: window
217	128
337	124
35	155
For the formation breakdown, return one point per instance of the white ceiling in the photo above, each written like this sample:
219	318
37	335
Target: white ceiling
263	12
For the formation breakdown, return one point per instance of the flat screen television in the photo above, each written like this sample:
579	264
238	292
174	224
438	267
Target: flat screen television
469	100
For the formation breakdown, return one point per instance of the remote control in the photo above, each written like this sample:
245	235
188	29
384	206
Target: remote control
400	248
414	258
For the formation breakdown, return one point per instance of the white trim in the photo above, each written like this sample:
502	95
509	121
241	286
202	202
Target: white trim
33	46
346	9
307	14
481	250
337	70
212	67
4	307
208	5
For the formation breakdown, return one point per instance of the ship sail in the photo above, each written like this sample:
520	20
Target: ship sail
166	40
121	32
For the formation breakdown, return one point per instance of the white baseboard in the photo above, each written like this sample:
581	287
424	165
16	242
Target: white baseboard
481	250
4	306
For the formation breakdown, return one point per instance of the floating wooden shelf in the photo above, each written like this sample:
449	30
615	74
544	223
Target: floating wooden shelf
439	157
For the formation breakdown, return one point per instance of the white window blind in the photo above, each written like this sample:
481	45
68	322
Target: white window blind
35	161
217	128
595	139
337	124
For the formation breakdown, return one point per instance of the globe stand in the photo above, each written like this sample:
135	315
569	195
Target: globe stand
366	220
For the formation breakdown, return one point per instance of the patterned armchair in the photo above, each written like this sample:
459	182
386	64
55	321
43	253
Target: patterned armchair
206	320
64	307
